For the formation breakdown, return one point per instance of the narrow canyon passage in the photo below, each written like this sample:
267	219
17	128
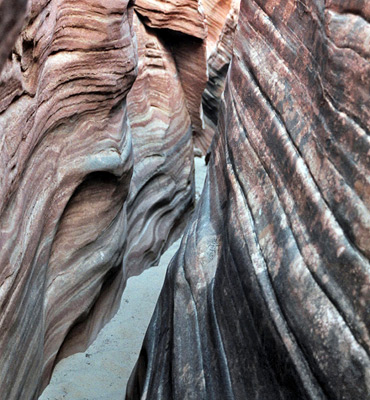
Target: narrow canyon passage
103	106
102	371
96	161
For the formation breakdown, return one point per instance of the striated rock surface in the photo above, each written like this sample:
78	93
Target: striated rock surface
191	62
201	44
219	56
95	183
65	169
185	16
162	190
11	21
216	12
268	295
96	172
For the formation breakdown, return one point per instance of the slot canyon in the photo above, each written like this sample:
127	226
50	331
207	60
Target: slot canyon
112	113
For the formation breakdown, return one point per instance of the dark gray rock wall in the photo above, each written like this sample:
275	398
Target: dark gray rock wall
268	296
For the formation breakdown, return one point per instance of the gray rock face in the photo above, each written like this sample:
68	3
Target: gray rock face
268	296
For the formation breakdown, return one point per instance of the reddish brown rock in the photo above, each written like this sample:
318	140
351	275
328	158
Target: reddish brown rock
191	62
185	16
65	168
202	84
268	295
161	192
219	50
73	224
216	12
202	66
11	21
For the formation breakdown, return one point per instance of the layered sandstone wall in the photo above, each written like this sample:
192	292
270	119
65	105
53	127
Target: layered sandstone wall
200	35
219	53
268	295
66	165
96	168
162	190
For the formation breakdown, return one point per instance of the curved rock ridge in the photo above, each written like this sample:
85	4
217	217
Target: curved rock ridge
162	190
93	186
268	295
216	12
190	55
185	16
219	56
65	170
11	21
191	50
203	65
96	171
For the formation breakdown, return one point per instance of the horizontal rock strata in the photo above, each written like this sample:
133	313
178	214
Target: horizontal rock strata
268	295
